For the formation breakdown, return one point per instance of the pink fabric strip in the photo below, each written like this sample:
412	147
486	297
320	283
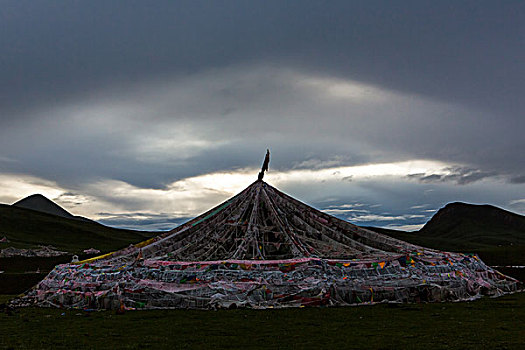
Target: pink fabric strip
152	263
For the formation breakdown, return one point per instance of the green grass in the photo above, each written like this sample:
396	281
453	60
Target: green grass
5	297
16	283
22	264
20	272
486	324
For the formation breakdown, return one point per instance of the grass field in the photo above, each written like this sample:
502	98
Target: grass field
484	324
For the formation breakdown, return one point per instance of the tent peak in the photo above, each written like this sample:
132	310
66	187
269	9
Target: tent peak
265	165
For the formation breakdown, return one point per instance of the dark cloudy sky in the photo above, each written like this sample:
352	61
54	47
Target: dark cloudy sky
142	114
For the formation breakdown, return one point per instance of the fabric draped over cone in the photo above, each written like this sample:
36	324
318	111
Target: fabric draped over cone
261	249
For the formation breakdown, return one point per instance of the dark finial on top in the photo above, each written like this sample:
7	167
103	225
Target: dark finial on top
265	165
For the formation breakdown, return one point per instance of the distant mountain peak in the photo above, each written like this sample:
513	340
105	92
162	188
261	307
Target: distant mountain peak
458	218
41	203
481	211
36	196
469	205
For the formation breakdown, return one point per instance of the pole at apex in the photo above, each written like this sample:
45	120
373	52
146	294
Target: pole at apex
265	165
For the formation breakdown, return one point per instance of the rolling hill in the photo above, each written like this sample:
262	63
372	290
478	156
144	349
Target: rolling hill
40	203
480	224
496	234
36	221
27	228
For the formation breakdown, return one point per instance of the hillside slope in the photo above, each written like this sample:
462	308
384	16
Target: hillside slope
40	203
496	234
26	228
480	224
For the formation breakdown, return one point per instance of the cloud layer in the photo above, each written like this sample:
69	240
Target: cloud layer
140	114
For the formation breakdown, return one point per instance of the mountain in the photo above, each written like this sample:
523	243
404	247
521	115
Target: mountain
27	228
496	234
483	224
40	203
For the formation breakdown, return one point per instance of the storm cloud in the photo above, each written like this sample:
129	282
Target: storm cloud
102	96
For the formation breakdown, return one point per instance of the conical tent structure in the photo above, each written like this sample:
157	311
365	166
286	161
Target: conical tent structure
263	248
262	223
